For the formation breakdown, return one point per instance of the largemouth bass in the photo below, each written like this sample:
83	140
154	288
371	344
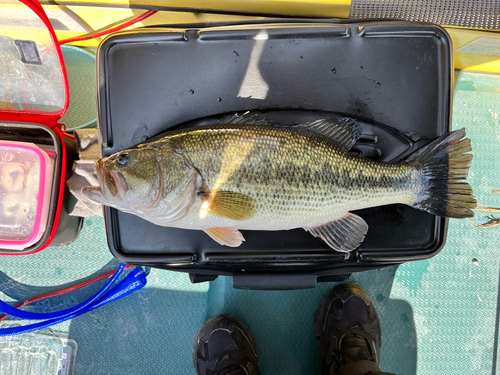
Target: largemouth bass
239	175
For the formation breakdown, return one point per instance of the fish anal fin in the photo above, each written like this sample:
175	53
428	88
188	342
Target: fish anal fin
344	131
344	234
231	237
228	204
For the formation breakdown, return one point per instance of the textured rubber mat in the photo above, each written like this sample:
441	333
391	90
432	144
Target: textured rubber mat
482	14
149	332
439	316
80	67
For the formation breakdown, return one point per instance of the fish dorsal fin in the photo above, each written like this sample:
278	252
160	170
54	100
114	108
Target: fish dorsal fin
344	234
228	204
344	131
246	118
231	237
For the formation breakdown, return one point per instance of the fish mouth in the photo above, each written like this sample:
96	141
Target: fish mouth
99	169
106	181
119	185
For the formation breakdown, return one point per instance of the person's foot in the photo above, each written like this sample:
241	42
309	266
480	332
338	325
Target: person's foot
347	328
224	345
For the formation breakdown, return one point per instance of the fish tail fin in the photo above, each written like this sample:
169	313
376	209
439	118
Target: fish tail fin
441	168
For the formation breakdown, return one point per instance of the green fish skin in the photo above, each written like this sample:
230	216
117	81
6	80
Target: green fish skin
256	176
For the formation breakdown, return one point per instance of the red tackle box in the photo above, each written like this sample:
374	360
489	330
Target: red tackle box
34	95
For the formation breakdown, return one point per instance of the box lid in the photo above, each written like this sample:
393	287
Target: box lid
33	81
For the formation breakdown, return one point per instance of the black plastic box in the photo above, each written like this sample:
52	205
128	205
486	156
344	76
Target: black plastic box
395	78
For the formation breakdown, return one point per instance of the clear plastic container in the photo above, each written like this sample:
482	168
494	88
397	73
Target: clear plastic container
25	190
37	355
30	75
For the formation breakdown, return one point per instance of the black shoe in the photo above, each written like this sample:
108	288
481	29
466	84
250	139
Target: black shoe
224	345
347	327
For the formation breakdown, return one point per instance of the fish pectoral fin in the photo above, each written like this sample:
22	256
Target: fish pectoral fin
228	204
344	234
344	131
231	237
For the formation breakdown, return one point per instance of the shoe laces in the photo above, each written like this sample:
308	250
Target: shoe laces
353	347
232	370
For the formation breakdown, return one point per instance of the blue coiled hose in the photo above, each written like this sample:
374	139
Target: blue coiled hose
135	280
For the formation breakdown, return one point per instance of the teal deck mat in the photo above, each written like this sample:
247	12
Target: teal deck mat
439	316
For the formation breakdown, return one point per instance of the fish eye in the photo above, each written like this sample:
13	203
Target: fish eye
123	158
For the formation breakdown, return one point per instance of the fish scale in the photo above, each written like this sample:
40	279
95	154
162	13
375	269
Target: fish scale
297	177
